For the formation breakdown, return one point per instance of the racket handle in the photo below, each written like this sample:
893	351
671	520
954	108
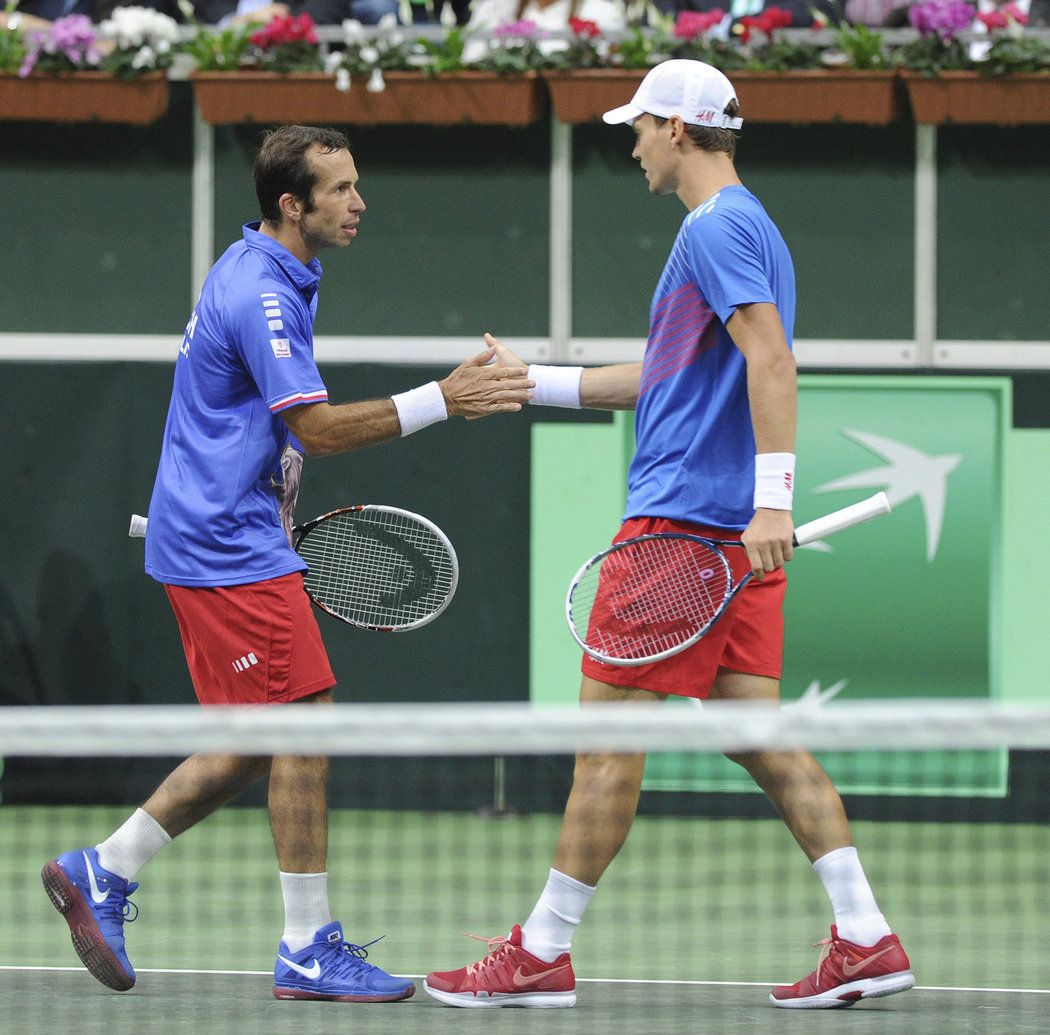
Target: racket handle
137	530
840	519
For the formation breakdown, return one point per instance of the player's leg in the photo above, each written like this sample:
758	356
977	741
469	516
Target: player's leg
314	961
90	887
863	958
532	966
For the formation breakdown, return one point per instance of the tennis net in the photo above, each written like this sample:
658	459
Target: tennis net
444	820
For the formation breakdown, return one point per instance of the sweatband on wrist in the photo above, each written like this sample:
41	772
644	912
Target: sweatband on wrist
556	386
774	480
420	407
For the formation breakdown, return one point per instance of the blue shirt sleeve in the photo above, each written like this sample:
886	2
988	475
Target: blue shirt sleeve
725	253
274	339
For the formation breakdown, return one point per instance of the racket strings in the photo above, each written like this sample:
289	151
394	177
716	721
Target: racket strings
377	568
649	596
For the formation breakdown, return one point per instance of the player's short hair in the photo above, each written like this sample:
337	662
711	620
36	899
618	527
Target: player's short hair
708	139
282	165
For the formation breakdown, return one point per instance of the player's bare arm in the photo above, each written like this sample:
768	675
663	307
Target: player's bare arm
601	388
772	385
472	390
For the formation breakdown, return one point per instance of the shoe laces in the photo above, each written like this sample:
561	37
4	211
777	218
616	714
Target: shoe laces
117	909
825	945
350	958
495	952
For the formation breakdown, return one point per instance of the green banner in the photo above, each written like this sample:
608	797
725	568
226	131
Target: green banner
904	606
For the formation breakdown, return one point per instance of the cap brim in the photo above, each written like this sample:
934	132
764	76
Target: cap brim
625	113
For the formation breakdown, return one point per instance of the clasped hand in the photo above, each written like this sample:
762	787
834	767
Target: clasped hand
475	389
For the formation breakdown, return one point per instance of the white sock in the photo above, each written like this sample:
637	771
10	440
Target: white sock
128	849
549	929
857	914
305	907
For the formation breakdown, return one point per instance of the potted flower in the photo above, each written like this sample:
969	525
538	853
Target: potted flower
449	81
593	74
71	72
265	73
1007	84
425	81
795	80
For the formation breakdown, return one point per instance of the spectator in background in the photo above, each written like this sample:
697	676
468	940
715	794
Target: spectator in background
323	12
446	12
802	12
39	14
546	15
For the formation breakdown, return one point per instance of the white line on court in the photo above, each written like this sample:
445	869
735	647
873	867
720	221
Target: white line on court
592	981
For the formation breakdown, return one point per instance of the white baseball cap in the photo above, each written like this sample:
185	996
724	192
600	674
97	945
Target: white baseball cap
696	92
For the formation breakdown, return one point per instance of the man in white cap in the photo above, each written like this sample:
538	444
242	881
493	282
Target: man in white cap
715	400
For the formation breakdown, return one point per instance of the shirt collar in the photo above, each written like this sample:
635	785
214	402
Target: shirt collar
305	278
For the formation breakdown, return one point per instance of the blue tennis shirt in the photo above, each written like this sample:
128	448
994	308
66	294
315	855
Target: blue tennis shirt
247	355
695	458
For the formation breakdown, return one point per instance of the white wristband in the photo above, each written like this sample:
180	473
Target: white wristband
420	407
774	480
556	386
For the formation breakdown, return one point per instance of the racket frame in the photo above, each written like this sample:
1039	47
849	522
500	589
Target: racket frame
299	533
809	532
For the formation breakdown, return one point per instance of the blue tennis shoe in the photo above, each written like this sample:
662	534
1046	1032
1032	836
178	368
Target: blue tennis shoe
95	905
331	968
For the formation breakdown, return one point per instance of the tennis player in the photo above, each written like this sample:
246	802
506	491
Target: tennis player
247	401
715	401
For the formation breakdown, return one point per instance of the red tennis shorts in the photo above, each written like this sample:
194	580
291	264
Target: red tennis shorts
749	637
251	644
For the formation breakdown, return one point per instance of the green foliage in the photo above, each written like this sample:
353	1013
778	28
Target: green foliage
783	55
931	55
1016	54
864	47
444	55
224	50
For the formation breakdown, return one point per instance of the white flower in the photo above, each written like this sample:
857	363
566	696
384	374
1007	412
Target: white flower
333	59
369	54
342	80
353	31
131	28
375	82
145	58
186	8
388	21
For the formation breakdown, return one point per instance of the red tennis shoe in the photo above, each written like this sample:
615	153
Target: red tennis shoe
507	976
847	972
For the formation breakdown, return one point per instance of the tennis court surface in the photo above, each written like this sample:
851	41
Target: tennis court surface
699	915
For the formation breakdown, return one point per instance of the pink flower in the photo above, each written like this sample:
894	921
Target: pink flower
583	27
1002	16
525	28
690	24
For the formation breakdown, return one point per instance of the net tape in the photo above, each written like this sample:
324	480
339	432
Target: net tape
518	728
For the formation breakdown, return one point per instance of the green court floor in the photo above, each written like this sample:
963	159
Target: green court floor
692	923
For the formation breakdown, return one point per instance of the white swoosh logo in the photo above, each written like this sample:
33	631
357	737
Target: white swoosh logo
312	973
97	894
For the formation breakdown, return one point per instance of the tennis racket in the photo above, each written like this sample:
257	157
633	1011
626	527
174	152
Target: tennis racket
378	568
651	596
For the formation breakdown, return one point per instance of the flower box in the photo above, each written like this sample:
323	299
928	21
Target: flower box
225	98
84	97
833	95
820	95
968	97
584	94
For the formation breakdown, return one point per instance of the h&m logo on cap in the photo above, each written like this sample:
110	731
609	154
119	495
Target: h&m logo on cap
705	116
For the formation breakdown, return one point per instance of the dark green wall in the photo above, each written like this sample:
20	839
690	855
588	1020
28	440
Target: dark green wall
455	239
